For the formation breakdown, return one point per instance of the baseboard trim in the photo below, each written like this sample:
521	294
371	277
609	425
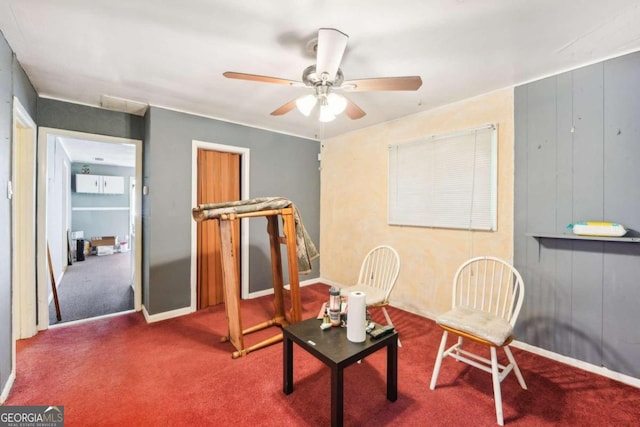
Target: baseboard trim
151	318
331	283
90	319
7	387
599	370
269	291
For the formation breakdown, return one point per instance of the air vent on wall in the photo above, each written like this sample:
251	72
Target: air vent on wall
125	105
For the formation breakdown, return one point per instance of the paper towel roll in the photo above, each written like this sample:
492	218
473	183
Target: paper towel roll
357	317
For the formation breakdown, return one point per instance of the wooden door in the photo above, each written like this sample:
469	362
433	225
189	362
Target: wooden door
218	181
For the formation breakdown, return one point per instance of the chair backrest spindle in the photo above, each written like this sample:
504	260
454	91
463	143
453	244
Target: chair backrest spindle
489	284
380	268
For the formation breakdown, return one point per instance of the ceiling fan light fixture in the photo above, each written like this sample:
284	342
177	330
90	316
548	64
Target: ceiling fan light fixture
325	76
337	103
326	115
306	103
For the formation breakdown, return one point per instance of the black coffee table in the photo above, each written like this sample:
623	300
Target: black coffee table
332	347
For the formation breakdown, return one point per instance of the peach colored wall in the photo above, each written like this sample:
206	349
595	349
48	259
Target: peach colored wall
353	204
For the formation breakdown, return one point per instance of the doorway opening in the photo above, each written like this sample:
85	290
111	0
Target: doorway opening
90	204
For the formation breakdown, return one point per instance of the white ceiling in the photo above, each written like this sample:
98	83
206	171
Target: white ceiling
96	152
172	53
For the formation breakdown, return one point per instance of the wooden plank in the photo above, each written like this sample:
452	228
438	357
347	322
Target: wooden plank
588	149
621	136
292	258
520	201
276	269
621	297
541	208
53	285
588	200
231	285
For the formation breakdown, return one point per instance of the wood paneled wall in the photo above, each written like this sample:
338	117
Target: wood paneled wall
577	150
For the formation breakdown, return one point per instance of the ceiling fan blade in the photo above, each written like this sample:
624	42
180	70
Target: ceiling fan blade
262	79
331	46
353	111
383	83
285	108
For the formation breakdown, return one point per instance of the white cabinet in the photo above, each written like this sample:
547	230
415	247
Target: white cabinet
88	183
99	184
113	185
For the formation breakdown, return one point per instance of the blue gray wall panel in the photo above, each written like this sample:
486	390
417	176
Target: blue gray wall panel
281	165
80	118
621	299
13	82
6	95
576	155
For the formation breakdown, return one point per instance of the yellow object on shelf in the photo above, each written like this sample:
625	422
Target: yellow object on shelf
598	228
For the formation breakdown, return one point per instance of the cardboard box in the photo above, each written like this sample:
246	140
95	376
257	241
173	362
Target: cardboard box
104	250
103	241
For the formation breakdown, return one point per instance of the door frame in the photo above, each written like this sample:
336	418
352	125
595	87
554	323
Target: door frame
66	208
244	222
44	134
23	277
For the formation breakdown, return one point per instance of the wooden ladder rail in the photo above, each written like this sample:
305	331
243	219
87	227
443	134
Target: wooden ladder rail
53	285
231	281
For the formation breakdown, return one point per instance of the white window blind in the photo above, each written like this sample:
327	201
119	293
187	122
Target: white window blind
447	181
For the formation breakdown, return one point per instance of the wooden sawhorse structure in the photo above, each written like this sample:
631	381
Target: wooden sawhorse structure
231	280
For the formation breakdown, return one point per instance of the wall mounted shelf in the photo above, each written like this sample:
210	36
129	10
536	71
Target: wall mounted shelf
577	237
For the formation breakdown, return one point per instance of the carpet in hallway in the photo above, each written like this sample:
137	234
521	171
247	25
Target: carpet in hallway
94	287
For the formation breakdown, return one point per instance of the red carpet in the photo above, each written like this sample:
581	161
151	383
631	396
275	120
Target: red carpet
121	371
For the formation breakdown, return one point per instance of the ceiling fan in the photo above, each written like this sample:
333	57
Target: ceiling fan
325	77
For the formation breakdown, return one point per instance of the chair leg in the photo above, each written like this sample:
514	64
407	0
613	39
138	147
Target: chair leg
516	369
389	322
459	346
436	368
497	394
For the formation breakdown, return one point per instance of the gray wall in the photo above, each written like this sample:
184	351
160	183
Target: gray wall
582	297
80	118
5	211
13	82
281	165
97	222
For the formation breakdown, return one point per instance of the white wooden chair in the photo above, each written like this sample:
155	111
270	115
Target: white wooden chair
378	274
487	297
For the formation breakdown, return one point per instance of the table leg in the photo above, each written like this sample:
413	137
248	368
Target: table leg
336	396
392	370
287	352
